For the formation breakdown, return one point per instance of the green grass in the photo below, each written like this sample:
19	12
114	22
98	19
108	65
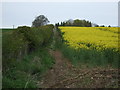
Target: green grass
91	58
28	71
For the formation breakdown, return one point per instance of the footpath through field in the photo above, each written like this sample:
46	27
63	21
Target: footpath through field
64	75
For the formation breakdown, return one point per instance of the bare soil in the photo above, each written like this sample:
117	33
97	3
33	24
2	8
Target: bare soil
65	75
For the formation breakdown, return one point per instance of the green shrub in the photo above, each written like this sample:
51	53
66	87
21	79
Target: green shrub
13	47
20	47
18	43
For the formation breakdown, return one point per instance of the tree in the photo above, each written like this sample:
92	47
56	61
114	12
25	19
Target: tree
77	22
40	21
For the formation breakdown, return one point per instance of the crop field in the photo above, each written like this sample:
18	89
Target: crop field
99	38
91	45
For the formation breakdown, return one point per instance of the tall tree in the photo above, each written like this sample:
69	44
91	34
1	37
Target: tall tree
40	21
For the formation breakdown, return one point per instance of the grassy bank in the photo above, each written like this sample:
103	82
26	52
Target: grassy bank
25	56
27	72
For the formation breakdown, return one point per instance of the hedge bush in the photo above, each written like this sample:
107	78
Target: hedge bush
17	43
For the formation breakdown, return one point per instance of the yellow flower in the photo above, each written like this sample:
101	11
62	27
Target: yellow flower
91	37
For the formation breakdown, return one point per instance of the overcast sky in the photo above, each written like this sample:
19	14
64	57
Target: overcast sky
23	13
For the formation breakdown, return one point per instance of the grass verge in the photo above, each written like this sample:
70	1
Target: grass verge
27	72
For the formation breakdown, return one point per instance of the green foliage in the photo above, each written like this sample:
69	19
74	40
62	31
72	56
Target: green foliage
21	57
12	45
28	70
37	36
24	39
77	22
92	58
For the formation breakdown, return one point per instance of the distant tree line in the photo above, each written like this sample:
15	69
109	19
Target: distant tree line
77	22
41	20
80	23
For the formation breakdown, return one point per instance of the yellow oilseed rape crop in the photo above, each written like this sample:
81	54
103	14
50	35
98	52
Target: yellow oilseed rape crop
91	37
